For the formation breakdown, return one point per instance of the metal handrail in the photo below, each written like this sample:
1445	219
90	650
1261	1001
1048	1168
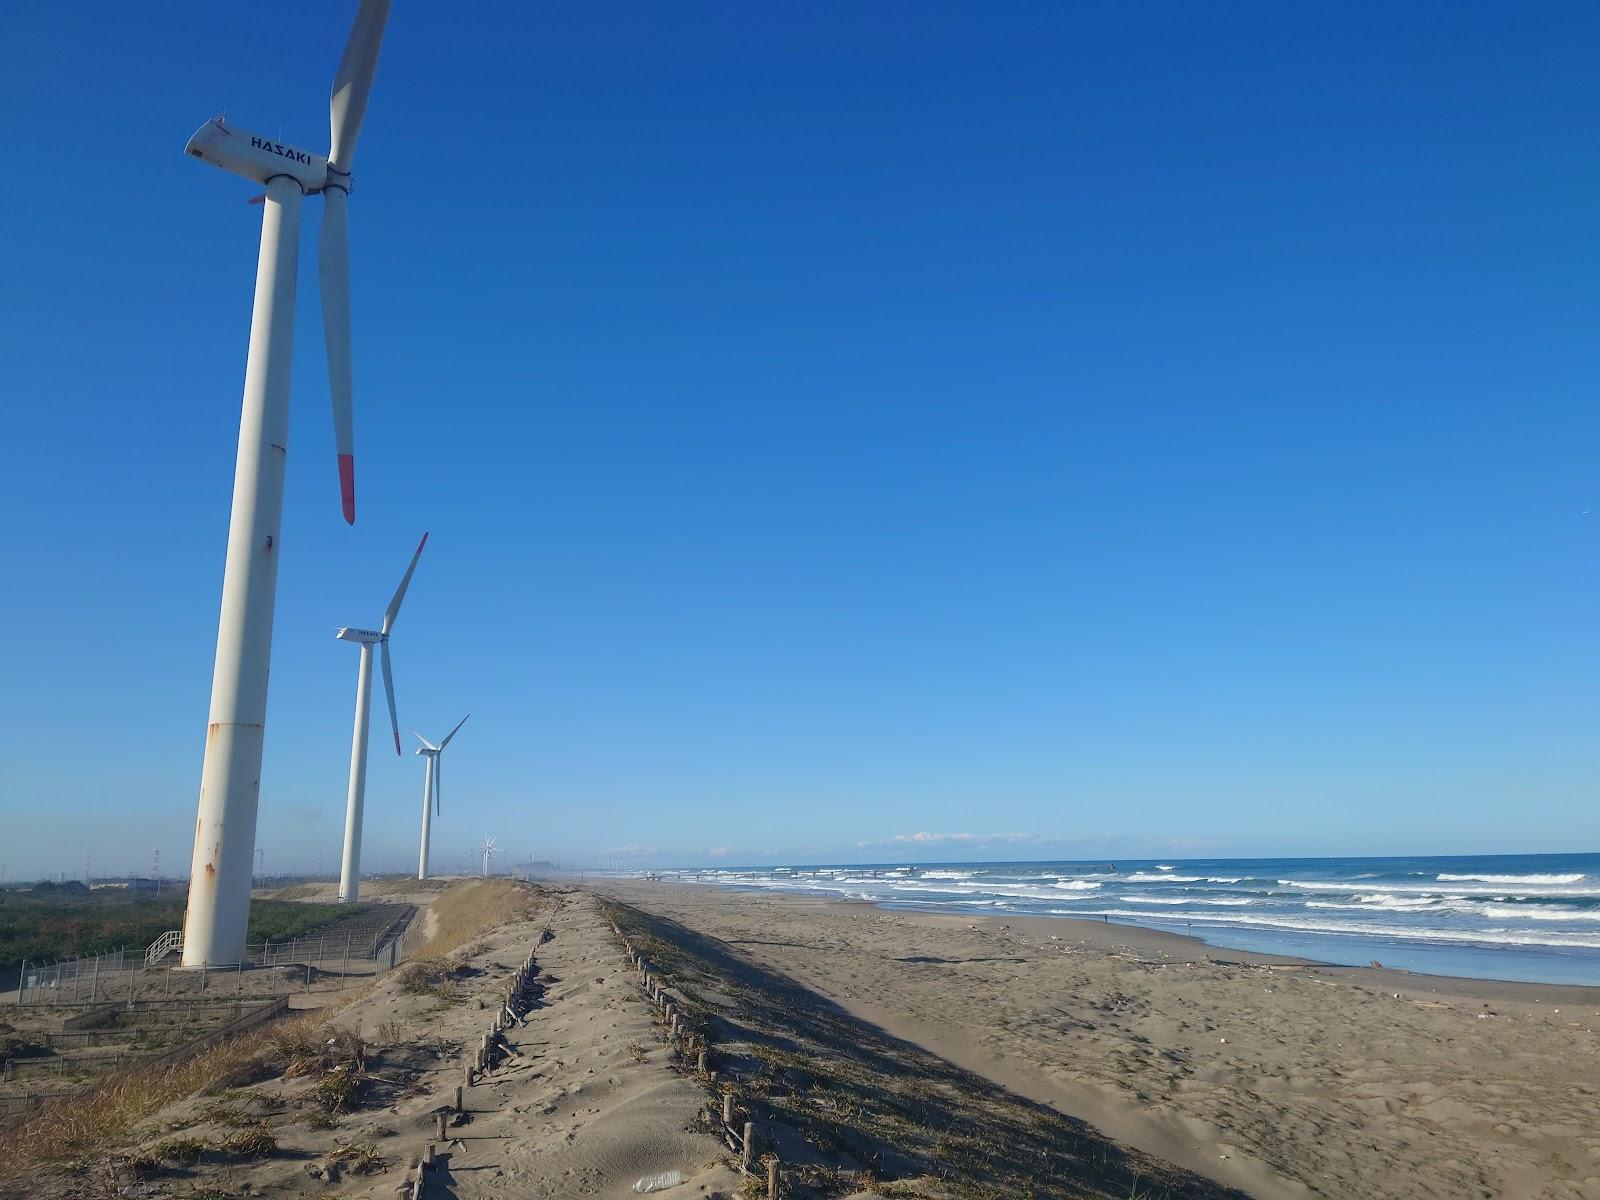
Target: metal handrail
163	946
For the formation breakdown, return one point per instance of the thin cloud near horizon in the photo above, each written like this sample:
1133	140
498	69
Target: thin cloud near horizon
931	839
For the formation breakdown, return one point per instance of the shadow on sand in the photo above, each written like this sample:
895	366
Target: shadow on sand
845	1105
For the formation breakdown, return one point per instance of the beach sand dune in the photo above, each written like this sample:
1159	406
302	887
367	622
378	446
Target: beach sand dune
1275	1077
592	1105
586	1102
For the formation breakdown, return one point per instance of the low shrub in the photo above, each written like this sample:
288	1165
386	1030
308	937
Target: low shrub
431	977
361	1157
339	1090
256	1142
182	1151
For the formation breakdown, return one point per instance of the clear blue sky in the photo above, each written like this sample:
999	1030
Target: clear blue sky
1140	428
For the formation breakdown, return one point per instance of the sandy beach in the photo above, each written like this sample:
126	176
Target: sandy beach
880	1054
1275	1076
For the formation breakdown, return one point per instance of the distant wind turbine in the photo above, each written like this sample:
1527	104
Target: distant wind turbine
350	869
230	778
430	788
488	849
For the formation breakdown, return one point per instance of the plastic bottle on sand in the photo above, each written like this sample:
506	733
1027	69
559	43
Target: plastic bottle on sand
659	1183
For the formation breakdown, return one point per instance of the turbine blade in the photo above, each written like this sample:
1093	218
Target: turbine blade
429	745
347	104
400	592
333	268
388	688
454	731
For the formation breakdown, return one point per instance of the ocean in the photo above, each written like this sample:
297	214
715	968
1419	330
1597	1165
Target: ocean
1530	917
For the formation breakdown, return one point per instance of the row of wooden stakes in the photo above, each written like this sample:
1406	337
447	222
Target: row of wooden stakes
740	1141
491	1048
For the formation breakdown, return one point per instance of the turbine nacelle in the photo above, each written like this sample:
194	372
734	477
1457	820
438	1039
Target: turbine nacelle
369	637
260	158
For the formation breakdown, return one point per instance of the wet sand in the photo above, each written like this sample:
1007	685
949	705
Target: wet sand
1274	1075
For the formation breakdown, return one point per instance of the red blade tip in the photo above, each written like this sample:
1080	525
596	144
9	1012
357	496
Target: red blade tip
397	743
347	486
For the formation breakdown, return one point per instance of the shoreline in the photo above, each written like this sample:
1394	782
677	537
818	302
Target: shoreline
1279	1076
1492	990
1187	947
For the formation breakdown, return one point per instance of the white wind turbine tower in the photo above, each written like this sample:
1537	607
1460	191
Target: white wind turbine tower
430	788
350	869
488	849
230	778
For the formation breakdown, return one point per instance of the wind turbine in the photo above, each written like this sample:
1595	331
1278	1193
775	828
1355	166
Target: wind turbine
488	849
350	870
230	778
430	788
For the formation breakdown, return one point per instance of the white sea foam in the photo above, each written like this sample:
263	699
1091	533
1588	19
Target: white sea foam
1141	877
1165	867
1152	899
1015	891
1389	900
1515	880
1462	888
1072	880
1220	902
1536	912
1488	936
1397	904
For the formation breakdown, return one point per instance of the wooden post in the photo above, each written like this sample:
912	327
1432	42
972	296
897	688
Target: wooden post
439	1127
427	1156
701	1064
461	1094
727	1110
749	1146
772	1178
466	1078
